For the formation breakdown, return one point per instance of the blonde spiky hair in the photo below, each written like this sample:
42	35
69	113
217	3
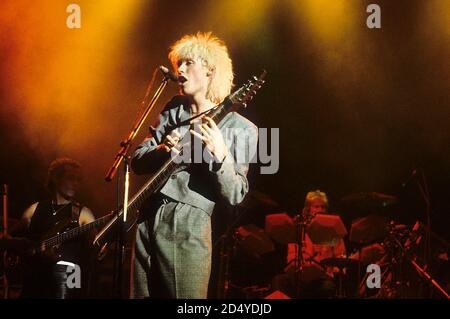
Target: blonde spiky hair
214	54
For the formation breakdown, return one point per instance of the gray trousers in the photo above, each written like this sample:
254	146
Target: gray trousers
172	253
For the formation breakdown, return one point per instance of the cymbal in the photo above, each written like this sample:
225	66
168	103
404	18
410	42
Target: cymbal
310	272
369	254
257	199
370	199
339	262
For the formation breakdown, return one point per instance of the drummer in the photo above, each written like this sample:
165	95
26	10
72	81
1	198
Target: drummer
317	281
316	202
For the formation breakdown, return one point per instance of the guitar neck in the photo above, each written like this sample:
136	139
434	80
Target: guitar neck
217	114
74	232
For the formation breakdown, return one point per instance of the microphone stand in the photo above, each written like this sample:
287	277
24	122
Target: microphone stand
302	220
405	252
424	192
426	197
428	278
5	232
122	156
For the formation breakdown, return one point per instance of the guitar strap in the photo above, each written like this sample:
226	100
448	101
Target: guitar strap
189	120
76	211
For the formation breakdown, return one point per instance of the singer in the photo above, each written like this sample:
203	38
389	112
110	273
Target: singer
173	243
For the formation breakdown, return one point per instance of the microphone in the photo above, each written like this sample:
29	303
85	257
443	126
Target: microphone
168	74
413	175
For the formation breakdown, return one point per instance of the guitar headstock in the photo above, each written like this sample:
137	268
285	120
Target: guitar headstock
246	92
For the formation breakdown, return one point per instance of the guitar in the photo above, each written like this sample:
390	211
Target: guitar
231	103
63	232
48	250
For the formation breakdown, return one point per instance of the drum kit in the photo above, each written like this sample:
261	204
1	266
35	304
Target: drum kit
373	239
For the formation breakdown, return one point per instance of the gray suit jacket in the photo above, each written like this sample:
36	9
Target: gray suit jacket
200	185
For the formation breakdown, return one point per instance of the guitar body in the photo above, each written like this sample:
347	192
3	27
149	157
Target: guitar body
35	267
38	253
42	254
53	253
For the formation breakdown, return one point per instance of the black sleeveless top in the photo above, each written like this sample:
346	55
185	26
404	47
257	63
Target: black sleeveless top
46	216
